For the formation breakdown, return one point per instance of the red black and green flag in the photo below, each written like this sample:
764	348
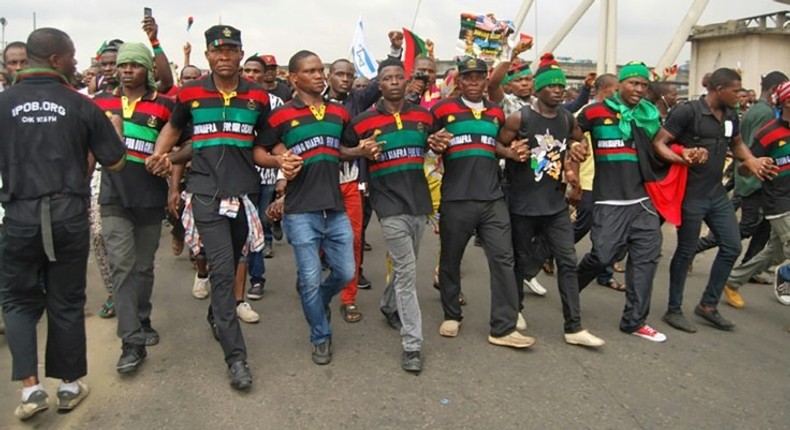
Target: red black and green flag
413	47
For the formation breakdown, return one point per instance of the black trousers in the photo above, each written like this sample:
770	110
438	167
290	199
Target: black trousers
558	232
62	295
616	229
492	222
752	225
223	239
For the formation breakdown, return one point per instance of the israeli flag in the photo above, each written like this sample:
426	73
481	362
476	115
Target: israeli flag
364	63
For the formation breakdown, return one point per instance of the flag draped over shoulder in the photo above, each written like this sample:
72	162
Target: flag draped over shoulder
363	62
413	47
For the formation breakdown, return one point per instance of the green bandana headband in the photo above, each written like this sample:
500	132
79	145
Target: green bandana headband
138	53
634	69
516	74
549	76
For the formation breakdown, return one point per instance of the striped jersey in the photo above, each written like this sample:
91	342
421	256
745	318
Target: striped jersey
313	134
133	186
470	163
773	140
224	129
617	176
397	181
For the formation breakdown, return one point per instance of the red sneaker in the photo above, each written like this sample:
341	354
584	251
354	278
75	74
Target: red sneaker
649	333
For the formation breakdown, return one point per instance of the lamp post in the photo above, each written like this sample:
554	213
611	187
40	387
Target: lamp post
3	23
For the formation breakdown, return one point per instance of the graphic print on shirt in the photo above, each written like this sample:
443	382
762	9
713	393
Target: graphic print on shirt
547	156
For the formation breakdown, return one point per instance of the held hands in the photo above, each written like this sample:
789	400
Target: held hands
763	168
694	156
159	165
291	165
439	141
369	148
519	151
274	212
578	152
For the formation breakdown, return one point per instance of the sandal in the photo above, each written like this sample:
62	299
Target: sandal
618	267
351	313
613	284
107	309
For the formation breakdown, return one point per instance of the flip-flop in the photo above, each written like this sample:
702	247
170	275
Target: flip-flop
351	313
107	309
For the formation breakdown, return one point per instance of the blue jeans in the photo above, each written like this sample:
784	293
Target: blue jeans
255	260
719	215
784	272
308	233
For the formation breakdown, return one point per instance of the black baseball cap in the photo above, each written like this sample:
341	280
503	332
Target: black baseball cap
219	35
470	65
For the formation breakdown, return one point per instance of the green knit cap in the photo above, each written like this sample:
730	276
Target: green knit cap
549	73
634	69
138	53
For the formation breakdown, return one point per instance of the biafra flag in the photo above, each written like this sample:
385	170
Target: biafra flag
413	47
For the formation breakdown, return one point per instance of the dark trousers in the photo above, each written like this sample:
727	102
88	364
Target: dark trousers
719	214
223	239
558	231
132	238
752	225
618	229
583	225
490	218
24	264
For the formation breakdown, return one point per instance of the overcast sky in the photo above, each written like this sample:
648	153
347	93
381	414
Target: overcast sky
326	26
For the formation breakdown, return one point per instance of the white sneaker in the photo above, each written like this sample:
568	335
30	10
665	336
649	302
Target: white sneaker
513	340
781	288
649	333
521	323
583	338
245	313
534	286
200	289
449	328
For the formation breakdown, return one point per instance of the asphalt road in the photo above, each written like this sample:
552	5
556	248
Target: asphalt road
707	380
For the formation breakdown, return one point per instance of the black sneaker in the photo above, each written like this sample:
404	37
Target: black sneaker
132	357
277	231
240	376
713	317
268	251
256	291
677	320
151	335
393	319
363	282
411	361
322	353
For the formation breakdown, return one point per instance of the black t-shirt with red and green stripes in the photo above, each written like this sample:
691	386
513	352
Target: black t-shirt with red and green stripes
224	128
471	169
397	180
314	135
773	140
133	186
617	176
